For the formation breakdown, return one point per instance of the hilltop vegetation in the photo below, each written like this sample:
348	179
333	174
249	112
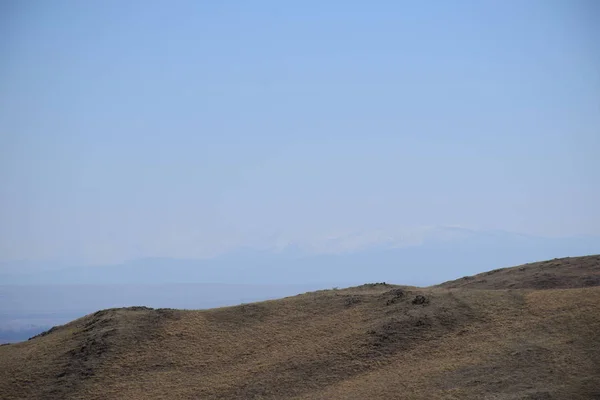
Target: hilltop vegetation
560	273
515	333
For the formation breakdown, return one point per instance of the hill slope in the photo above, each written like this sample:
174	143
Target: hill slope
560	273
375	341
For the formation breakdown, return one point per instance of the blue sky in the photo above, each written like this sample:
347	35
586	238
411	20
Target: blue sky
188	128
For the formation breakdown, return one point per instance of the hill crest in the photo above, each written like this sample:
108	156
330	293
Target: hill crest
559	273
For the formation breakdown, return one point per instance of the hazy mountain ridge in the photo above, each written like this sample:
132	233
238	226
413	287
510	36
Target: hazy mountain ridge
440	252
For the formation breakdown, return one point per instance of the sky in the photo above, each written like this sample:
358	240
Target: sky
134	129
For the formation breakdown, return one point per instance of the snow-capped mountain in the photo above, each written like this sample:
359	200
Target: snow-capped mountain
420	257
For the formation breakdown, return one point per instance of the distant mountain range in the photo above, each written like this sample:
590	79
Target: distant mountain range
440	254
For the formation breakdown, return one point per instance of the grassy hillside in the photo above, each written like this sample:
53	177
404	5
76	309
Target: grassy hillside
467	339
560	273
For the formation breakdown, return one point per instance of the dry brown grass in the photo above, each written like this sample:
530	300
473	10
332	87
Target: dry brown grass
368	342
560	273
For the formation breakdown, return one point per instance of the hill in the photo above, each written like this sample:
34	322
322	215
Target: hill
495	336
560	273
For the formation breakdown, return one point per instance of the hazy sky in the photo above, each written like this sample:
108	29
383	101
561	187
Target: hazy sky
185	128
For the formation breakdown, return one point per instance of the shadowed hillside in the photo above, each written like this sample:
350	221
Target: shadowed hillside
375	341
